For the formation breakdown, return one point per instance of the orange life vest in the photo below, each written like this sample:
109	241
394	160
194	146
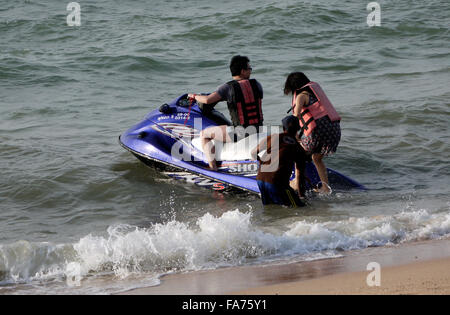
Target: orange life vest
312	112
245	108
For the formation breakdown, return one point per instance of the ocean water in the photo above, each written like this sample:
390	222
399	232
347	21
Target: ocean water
80	215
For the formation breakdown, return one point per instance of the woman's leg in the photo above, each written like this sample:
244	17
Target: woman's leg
208	134
323	173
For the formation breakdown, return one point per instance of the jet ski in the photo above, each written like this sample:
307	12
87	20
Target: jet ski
168	139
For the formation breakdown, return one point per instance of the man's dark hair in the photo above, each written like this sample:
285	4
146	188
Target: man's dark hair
290	124
237	64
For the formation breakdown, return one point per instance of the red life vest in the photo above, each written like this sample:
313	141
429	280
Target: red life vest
245	107
312	112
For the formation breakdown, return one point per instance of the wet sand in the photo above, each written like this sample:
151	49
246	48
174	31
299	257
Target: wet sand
415	268
429	277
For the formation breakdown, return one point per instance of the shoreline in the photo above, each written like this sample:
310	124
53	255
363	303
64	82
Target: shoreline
411	268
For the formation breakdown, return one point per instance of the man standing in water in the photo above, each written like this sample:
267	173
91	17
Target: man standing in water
244	99
282	151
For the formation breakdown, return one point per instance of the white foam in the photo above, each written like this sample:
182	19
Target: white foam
232	239
211	242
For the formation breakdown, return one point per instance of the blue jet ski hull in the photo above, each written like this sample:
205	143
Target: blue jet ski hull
173	127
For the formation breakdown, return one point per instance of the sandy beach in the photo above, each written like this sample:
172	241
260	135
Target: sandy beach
429	277
414	268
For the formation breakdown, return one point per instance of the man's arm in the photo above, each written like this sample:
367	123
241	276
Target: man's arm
261	144
207	99
300	173
300	166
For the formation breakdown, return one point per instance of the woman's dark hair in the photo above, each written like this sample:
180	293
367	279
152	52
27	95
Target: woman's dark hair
237	64
294	81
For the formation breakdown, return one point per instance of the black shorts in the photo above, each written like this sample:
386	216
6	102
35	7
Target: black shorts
273	194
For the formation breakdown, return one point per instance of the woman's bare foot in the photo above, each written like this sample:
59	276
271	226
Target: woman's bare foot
213	165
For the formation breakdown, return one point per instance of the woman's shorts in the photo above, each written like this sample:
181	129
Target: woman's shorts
324	139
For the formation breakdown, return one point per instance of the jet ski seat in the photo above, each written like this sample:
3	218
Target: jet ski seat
233	151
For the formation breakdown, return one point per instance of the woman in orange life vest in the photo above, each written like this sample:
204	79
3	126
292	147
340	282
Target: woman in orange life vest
244	99
320	131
